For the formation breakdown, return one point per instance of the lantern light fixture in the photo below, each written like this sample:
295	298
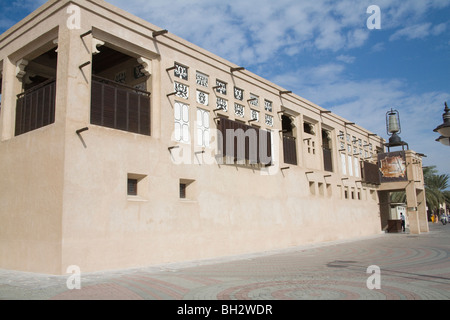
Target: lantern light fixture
444	129
393	129
444	140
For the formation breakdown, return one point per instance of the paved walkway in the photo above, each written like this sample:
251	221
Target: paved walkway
411	267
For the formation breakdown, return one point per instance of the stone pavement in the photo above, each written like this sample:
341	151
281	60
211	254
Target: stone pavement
410	267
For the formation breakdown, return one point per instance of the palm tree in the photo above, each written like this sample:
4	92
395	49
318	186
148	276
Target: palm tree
435	189
447	198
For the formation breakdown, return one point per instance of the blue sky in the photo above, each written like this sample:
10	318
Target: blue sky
323	51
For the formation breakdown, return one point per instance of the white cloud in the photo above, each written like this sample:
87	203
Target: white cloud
378	47
267	27
251	32
268	33
419	31
366	103
438	29
26	4
346	58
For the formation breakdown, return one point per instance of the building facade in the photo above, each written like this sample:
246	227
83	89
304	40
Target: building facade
123	145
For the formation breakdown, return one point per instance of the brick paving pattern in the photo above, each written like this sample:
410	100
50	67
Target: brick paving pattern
412	267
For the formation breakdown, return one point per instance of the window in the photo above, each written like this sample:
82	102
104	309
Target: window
255	115
222	104
268	105
132	187
289	141
343	164
350	167
239	110
203	130
187	189
137	186
202	79
326	150
269	120
357	167
310	146
182	190
202	98
221	87
180	71
181	117
181	90
254	100
238	94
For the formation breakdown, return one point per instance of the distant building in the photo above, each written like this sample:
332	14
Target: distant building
123	145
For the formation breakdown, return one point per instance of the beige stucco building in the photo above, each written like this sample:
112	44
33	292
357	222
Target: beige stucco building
116	151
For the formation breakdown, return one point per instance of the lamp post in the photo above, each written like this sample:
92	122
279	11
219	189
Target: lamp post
444	140
444	129
393	128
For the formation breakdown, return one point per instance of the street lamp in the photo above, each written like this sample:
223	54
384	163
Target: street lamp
444	140
393	129
444	129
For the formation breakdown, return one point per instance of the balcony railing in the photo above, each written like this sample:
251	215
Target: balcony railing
290	149
35	108
239	142
118	106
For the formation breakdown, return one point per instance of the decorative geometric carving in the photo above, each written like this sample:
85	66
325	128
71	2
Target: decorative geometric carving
20	68
239	110
95	44
221	87
238	94
222	104
181	90
268	105
254	115
202	98
26	78
202	79
147	64
254	100
56	42
269	120
181	71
